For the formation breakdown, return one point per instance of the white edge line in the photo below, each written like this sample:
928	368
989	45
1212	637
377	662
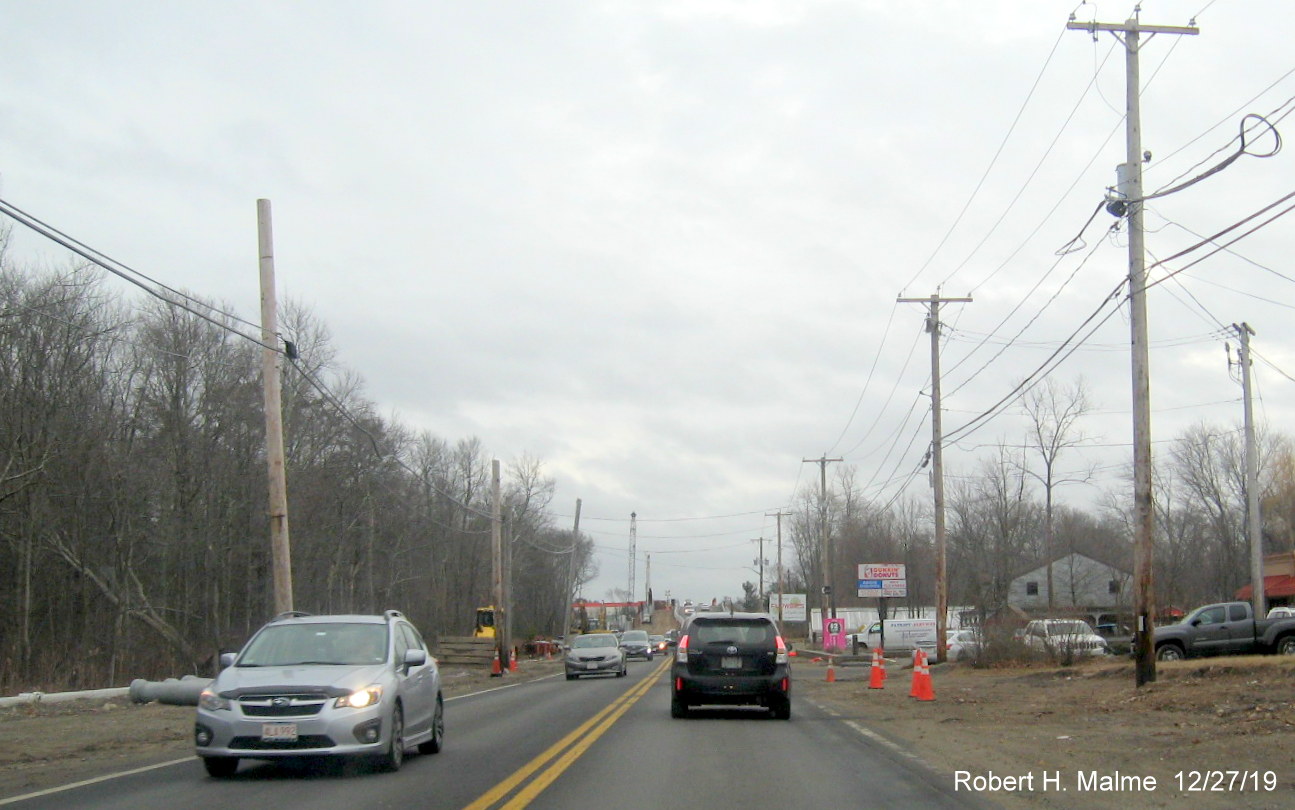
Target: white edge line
501	688
84	782
874	736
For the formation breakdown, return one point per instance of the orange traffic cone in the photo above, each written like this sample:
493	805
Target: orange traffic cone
512	660
913	690
495	670
925	690
878	676
831	669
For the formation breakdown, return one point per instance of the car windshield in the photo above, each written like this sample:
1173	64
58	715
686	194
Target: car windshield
1068	629
595	640
737	631
634	635
341	644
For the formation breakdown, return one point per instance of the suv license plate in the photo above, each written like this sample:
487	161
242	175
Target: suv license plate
730	662
279	732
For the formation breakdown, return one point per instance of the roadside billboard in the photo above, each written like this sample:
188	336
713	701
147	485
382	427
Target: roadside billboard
794	607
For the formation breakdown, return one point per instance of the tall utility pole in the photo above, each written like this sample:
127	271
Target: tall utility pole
571	579
779	515
497	561
280	548
634	537
1253	525
937	468
647	587
759	561
1129	32
824	554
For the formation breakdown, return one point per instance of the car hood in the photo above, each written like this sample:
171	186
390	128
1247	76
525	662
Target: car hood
332	680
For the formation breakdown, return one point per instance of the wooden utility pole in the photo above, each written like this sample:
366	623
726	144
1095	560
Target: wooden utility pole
280	548
824	553
571	579
1254	528
1130	173
937	469
779	514
759	561
497	562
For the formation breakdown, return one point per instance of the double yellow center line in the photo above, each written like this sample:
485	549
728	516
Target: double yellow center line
563	753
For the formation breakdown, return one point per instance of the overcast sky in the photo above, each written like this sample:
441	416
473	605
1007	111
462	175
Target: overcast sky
658	245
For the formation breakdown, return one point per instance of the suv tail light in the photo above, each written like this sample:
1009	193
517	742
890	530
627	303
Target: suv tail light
681	652
781	657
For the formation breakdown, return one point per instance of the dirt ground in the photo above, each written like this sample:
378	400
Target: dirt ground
1034	723
1065	724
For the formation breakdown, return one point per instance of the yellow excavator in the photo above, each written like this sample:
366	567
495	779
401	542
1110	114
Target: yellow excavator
485	627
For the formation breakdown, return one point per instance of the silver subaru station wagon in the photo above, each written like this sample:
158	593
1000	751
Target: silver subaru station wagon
362	686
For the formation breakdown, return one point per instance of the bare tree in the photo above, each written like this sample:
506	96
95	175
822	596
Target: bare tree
1054	412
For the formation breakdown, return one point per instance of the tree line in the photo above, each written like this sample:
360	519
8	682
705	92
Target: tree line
133	496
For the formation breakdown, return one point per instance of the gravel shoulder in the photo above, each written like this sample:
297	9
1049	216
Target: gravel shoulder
1064	725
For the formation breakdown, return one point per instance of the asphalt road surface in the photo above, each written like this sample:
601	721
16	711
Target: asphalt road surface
553	743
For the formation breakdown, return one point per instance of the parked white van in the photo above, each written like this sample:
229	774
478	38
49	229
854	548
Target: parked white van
902	634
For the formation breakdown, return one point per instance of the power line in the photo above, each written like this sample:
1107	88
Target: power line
126	273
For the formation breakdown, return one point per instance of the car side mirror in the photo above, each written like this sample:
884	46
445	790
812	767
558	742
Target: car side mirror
415	658
227	659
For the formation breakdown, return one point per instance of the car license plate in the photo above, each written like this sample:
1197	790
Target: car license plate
730	662
279	732
591	665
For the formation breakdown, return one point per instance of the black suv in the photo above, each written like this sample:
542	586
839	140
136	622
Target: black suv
731	658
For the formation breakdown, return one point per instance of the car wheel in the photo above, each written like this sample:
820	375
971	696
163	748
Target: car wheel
780	708
571	677
434	745
623	671
1170	652
1286	645
395	755
220	767
678	707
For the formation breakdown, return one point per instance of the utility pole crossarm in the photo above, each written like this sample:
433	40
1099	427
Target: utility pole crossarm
1132	26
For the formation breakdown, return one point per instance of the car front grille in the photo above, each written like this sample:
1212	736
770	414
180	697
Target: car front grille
300	705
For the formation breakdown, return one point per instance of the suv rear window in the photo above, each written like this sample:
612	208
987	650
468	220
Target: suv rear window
747	632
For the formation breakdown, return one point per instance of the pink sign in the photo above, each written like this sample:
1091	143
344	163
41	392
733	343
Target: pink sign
834	635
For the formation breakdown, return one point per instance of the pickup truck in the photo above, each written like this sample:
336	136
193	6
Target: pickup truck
1228	628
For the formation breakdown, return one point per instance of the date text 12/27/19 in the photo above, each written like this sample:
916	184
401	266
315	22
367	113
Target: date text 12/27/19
1212	781
1225	781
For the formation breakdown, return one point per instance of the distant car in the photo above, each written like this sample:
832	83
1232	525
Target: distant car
1064	638
1281	613
323	686
731	659
659	644
595	653
635	643
671	637
963	645
1118	637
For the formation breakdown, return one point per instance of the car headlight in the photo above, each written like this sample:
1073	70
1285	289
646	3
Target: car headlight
211	701
360	698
